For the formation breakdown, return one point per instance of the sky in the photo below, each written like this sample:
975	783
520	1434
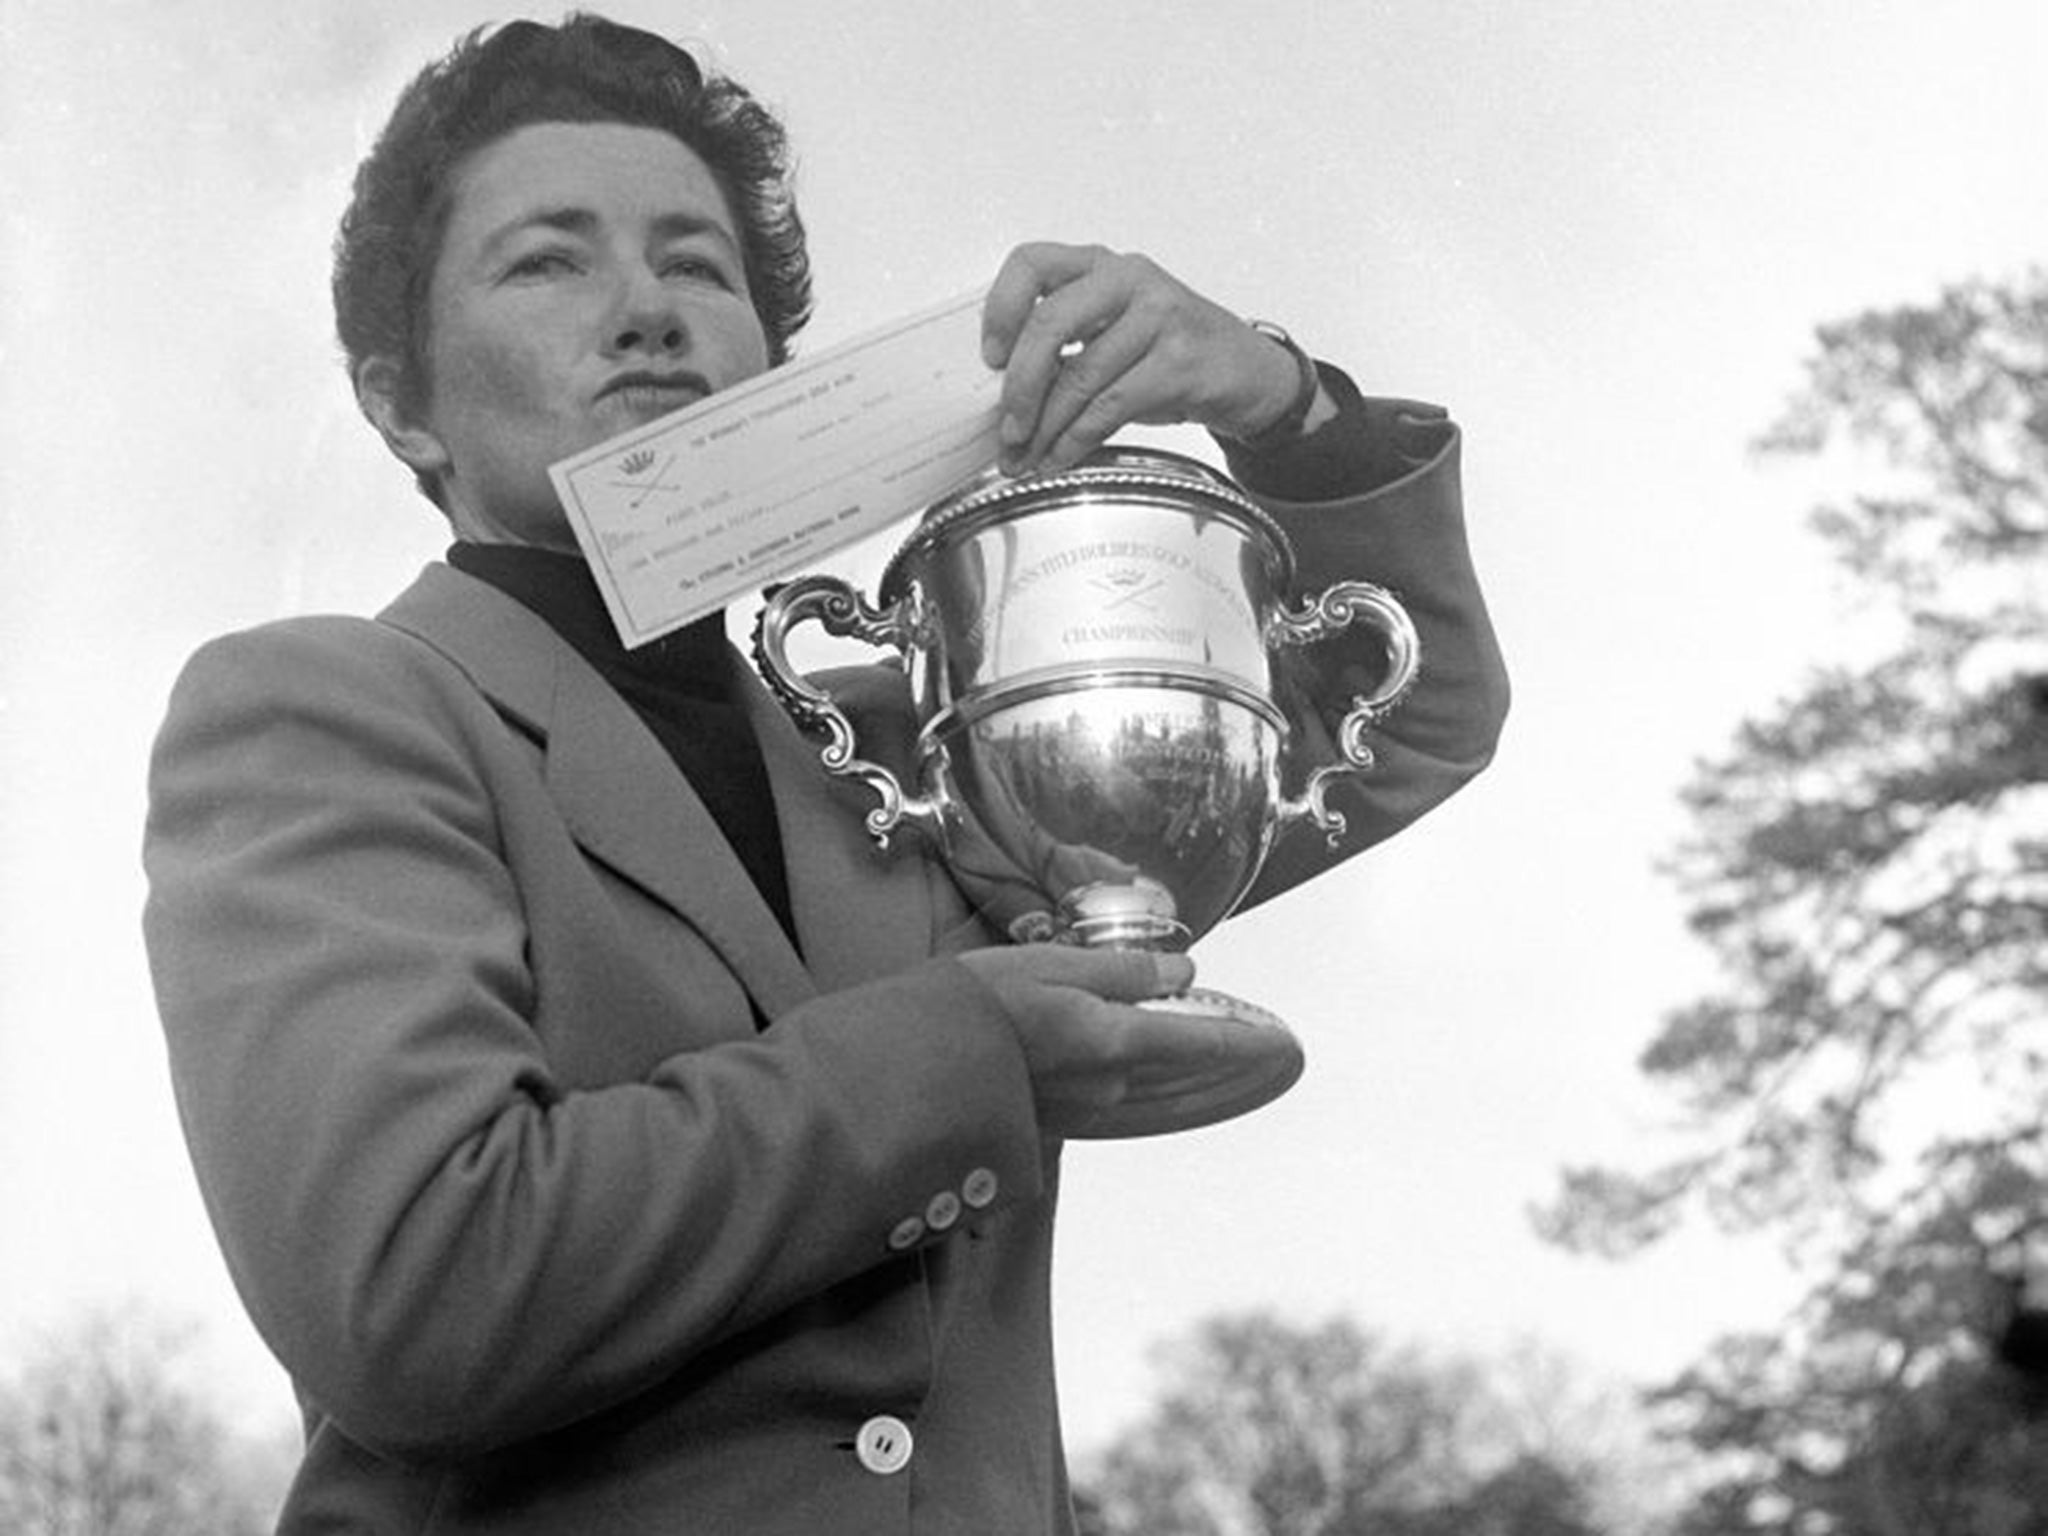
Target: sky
1601	233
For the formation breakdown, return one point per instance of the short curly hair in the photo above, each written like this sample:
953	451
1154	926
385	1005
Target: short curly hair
496	80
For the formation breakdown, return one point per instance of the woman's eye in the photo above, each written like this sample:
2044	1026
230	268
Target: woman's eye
698	269
542	264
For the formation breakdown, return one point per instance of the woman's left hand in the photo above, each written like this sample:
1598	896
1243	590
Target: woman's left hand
1090	340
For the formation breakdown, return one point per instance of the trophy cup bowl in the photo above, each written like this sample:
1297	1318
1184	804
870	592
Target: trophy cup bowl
1101	756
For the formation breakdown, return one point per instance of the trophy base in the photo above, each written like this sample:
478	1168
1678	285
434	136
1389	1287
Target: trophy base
1184	1098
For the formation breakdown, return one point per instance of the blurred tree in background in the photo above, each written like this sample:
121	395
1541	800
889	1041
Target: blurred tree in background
98	1438
1269	1429
1869	862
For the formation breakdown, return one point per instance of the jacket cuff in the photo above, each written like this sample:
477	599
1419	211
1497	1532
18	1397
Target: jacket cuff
1368	444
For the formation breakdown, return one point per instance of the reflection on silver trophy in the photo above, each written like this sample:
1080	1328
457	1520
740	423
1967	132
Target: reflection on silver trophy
1101	755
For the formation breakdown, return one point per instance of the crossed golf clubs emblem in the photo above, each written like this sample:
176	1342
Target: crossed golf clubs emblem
1127	586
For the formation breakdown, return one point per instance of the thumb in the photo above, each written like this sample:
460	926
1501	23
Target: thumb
1132	975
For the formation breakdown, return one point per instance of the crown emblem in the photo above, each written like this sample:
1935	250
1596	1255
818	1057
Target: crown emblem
639	462
1127	586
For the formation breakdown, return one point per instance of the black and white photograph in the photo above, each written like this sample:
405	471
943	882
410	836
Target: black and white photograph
1068	767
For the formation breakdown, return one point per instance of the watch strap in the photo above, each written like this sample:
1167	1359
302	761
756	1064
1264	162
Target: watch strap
1286	427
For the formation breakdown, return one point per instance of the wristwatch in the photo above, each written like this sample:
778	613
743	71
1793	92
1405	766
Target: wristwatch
1287	426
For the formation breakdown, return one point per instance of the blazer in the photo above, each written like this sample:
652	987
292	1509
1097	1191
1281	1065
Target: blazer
460	983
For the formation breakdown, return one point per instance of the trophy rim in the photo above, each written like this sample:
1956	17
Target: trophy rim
990	494
1078	677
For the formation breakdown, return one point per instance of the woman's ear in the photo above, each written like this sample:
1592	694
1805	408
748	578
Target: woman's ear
377	395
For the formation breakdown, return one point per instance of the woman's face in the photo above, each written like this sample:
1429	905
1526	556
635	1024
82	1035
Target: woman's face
589	281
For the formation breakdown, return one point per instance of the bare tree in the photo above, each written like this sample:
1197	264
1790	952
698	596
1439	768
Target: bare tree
1270	1429
98	1438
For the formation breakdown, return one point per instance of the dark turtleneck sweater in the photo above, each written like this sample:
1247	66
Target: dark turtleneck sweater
683	686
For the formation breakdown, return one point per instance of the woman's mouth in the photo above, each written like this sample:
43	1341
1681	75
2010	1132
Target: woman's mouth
645	396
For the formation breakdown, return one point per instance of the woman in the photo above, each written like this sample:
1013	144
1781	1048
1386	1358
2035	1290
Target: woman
601	1133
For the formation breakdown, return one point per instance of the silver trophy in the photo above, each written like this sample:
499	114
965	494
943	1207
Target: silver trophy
1101	756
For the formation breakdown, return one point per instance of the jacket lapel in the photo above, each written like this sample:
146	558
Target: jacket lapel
861	912
620	793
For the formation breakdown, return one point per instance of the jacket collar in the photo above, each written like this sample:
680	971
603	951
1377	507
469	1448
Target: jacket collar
626	804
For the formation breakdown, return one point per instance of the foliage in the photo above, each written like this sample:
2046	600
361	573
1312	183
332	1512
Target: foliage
1869	863
1870	860
98	1439
1814	1445
1268	1429
1892	1418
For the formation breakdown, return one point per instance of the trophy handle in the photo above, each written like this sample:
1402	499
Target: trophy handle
1319	618
842	611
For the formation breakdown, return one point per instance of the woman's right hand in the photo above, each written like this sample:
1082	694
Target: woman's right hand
1084	1036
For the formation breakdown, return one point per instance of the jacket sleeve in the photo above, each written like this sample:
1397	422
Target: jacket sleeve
1375	496
448	1247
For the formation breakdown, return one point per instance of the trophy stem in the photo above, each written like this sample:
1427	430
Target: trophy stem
1138	913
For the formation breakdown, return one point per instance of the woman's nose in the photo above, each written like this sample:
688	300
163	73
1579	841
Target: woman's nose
646	316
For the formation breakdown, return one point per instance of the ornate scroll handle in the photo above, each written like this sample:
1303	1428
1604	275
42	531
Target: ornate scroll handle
842	611
1335	610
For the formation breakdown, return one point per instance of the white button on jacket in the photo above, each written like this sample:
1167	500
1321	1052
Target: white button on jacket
883	1444
979	1190
943	1211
